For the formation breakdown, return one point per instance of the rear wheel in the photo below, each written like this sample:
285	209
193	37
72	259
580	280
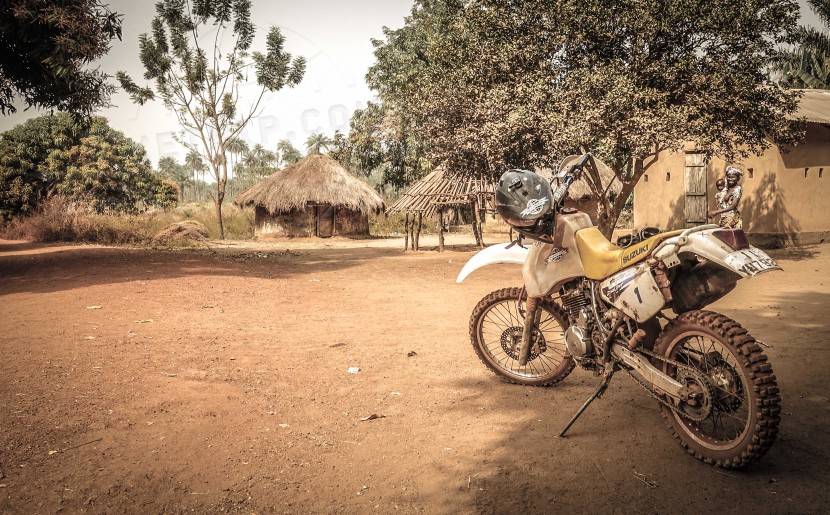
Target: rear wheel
735	416
496	327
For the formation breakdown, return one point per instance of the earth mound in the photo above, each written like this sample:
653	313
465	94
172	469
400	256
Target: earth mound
181	232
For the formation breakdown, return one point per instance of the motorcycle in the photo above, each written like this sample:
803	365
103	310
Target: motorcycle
588	302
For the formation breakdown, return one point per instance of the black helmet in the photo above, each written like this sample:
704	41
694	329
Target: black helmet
523	198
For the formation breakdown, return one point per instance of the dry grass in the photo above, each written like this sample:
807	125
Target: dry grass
59	220
386	225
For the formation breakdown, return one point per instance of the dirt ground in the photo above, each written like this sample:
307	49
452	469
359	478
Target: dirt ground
142	381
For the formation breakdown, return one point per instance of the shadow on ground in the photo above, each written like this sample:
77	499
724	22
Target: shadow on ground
648	469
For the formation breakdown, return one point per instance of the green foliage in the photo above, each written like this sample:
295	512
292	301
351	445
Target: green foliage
808	65
315	143
493	84
384	225
288	153
203	85
45	46
85	161
381	148
177	173
257	163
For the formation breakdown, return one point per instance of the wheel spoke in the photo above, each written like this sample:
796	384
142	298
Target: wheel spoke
711	358
734	422
500	329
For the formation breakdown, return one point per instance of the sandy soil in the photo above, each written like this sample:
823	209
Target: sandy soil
140	381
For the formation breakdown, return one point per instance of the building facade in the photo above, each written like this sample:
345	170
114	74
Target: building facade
785	190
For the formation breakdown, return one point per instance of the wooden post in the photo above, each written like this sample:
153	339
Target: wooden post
440	229
417	236
406	232
477	225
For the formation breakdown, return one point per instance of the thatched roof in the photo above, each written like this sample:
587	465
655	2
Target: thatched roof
316	178
586	187
440	189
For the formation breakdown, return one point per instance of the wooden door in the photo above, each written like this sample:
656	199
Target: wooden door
325	220
694	178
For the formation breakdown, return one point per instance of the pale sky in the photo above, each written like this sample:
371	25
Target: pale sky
333	35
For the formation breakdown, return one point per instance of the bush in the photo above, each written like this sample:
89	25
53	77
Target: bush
386	225
239	223
86	161
57	219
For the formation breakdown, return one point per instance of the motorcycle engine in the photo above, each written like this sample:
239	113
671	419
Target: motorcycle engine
578	337
578	334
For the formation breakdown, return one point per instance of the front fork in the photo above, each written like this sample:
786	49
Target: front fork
532	318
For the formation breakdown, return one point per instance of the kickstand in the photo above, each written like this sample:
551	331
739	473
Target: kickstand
603	384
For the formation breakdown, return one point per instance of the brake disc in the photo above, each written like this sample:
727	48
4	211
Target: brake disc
511	339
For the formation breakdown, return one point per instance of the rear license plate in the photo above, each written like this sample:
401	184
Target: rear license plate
751	261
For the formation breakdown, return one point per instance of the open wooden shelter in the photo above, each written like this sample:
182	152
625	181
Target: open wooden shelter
438	193
313	197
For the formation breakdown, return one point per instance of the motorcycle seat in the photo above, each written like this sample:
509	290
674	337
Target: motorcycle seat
601	258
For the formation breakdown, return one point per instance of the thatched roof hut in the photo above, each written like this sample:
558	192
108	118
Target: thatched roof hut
593	189
590	185
313	197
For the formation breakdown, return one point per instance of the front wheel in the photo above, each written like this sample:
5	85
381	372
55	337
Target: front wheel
735	416
496	327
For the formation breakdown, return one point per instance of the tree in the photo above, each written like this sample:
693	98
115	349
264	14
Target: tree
288	153
341	150
259	162
203	86
236	146
316	143
256	163
384	144
171	170
45	47
84	160
808	65
196	165
237	182
494	84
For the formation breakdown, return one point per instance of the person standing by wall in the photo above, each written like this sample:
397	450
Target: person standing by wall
720	198
728	200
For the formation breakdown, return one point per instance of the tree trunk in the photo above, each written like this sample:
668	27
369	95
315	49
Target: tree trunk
220	196
221	182
477	225
608	221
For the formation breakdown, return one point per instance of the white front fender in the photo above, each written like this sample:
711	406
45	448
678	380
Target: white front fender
493	255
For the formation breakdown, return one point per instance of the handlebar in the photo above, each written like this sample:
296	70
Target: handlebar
570	176
582	162
562	190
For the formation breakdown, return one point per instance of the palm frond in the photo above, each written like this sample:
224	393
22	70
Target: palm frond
822	10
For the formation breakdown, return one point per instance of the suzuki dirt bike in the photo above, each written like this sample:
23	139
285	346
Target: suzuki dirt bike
588	302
